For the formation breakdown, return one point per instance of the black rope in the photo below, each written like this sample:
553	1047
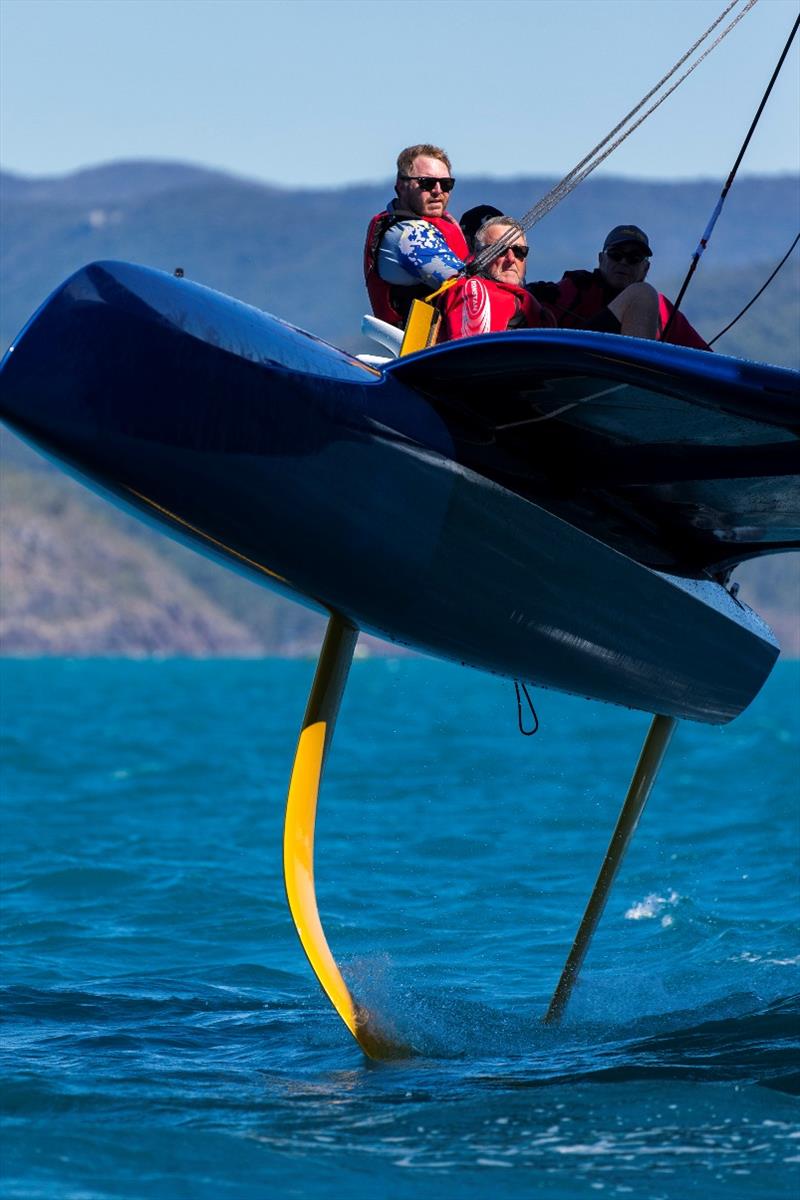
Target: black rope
763	288
525	732
704	240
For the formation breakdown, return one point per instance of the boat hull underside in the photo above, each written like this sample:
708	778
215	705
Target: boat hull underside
315	486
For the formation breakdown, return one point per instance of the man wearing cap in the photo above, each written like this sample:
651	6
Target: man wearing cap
414	245
591	299
472	220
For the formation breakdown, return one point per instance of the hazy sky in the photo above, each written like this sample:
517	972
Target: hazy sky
321	93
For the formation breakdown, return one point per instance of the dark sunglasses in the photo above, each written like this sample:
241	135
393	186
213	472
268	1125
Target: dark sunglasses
519	252
632	257
428	182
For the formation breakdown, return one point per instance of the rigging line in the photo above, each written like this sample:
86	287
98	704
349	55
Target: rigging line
763	288
649	96
704	240
576	174
593	159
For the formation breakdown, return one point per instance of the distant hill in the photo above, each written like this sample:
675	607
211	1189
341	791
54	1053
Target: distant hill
78	582
109	183
297	253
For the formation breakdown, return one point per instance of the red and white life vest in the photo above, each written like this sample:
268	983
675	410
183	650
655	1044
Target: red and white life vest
476	305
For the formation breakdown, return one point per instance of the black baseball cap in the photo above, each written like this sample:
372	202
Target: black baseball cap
627	233
473	218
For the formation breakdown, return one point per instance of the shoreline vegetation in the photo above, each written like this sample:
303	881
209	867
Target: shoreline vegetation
78	578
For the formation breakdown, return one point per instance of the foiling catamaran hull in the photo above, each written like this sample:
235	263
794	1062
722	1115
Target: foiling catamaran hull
554	507
368	494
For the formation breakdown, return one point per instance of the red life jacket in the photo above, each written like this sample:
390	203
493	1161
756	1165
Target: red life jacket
392	301
478	305
581	295
681	333
575	299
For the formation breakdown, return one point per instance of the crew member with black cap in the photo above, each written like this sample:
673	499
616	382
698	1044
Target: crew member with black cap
591	299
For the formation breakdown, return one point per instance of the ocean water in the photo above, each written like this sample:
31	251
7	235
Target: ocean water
164	1036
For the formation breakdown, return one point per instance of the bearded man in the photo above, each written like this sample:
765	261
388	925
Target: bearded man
414	244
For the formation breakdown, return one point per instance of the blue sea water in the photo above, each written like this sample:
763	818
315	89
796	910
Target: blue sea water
164	1036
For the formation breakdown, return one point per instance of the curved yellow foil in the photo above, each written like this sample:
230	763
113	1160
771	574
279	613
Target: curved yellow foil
298	836
298	869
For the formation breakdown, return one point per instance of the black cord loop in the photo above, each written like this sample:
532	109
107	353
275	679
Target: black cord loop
519	686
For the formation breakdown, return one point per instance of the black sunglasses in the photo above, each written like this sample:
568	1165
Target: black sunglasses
428	182
632	257
519	252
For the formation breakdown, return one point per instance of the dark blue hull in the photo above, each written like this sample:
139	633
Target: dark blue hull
362	493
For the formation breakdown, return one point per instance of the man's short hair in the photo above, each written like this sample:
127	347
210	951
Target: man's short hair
511	222
405	159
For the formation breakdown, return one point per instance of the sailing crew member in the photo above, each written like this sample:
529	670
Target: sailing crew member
496	300
591	299
414	245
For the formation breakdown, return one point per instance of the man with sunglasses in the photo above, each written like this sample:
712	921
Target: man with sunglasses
614	297
414	245
496	299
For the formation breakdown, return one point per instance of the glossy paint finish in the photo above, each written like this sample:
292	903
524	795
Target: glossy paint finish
380	497
685	460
